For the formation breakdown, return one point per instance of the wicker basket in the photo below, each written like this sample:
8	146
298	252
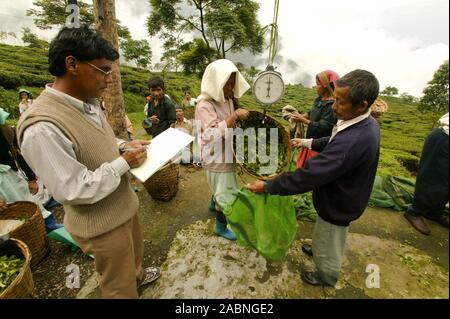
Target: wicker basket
283	137
378	108
23	285
32	232
163	185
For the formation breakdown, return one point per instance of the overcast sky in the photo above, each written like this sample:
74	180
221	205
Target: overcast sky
402	42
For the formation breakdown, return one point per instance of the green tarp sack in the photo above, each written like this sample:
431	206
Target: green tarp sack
263	221
392	192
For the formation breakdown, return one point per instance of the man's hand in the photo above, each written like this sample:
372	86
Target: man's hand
135	157
256	187
296	142
154	119
2	204
33	187
136	144
242	114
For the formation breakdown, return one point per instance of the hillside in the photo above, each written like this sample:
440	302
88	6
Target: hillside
403	128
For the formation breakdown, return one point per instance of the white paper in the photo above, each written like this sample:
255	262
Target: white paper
161	149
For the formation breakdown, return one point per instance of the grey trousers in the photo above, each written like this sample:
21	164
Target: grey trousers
328	244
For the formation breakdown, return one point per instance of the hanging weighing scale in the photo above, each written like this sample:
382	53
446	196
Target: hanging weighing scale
268	87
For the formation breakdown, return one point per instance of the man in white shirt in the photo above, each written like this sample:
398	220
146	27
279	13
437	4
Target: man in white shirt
68	143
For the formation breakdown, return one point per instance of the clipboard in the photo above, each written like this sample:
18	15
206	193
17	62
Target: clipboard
161	150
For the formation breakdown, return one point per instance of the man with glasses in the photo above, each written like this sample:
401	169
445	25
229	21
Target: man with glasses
69	144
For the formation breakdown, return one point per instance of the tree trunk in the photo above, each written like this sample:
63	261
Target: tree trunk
106	25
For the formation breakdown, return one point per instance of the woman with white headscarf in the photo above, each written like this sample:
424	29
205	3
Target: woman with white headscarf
216	113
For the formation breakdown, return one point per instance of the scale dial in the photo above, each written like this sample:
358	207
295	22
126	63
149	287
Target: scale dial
268	87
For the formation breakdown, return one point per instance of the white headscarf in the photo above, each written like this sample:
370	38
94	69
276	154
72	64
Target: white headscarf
216	76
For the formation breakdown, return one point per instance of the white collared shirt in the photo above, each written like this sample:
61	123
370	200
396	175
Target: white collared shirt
51	156
443	123
339	127
342	125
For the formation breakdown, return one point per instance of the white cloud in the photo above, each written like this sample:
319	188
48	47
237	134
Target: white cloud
402	42
345	35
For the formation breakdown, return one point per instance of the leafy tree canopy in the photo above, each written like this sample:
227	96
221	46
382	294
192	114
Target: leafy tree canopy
435	98
222	25
389	91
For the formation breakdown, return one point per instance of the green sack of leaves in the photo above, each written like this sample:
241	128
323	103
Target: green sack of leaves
263	221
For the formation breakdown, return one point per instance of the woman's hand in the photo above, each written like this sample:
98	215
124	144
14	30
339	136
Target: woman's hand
295	142
33	187
241	114
300	118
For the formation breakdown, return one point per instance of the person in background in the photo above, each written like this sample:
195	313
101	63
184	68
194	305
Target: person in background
321	118
216	111
68	142
185	126
431	192
341	176
18	181
25	100
188	100
160	108
296	129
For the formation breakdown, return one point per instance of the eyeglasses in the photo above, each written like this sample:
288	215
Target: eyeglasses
105	73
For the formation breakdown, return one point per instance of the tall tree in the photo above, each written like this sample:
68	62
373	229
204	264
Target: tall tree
435	98
222	25
389	91
137	51
32	39
106	25
52	14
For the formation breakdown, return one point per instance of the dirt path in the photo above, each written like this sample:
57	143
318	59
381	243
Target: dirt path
179	237
197	264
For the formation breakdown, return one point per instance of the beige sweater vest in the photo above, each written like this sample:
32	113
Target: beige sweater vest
93	146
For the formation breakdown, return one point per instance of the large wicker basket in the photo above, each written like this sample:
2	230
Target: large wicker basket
23	285
378	108
283	138
163	185
32	231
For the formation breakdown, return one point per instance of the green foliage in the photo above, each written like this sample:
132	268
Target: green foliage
389	91
4	35
195	56
436	94
137	51
403	127
32	39
408	98
224	26
52	13
233	25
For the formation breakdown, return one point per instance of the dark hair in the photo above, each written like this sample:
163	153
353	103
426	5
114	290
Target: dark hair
83	43
155	82
363	85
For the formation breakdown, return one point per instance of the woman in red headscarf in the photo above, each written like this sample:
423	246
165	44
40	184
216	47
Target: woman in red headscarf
321	118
